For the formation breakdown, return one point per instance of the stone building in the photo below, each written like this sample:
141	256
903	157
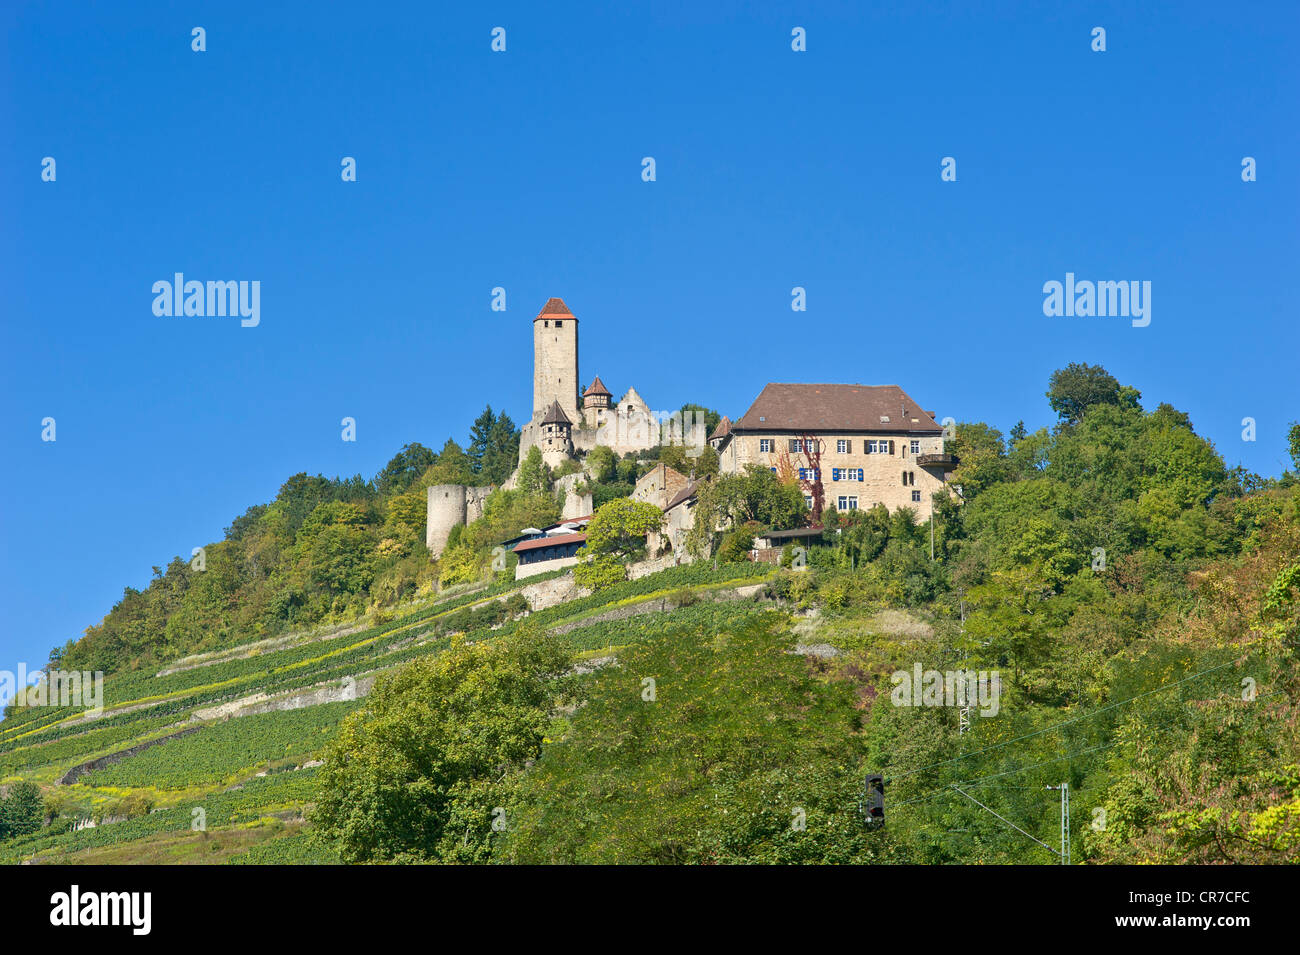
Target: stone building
541	550
679	518
849	446
659	485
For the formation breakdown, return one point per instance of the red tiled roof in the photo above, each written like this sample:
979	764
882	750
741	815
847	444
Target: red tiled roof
550	542
555	306
723	429
597	387
808	408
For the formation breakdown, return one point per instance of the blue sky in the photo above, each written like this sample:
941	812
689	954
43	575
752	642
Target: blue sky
522	169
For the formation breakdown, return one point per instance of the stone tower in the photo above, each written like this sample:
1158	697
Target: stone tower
450	505
555	360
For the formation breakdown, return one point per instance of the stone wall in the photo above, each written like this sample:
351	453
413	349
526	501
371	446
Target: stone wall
296	700
549	593
659	485
575	504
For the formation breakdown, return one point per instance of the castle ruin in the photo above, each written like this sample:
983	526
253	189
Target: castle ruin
565	425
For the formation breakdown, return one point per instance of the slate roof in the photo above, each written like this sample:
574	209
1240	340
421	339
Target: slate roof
555	415
685	494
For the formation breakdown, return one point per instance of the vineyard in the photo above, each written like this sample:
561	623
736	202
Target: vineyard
215	753
245	773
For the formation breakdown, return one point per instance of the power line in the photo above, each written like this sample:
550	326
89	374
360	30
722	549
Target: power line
980	780
1054	726
1007	821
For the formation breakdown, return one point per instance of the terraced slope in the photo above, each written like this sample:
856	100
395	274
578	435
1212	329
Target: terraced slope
211	758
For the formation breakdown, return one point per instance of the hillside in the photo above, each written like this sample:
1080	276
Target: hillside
1138	601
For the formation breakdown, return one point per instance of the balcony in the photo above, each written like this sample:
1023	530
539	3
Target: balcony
941	460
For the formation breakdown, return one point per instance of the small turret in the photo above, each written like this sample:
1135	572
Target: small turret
556	438
596	395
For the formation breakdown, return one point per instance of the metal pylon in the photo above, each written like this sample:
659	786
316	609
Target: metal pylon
1065	821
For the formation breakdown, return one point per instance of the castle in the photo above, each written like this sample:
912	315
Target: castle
567	422
850	447
565	425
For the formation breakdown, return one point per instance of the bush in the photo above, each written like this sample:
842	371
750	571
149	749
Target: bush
737	543
599	573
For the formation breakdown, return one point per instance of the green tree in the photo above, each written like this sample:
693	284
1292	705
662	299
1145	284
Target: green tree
1074	389
420	771
21	811
404	469
701	462
601	464
534	475
502	450
735	752
618	529
983	458
756	495
452	466
692	412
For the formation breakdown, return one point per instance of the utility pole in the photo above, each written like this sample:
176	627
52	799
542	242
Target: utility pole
1065	821
963	715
